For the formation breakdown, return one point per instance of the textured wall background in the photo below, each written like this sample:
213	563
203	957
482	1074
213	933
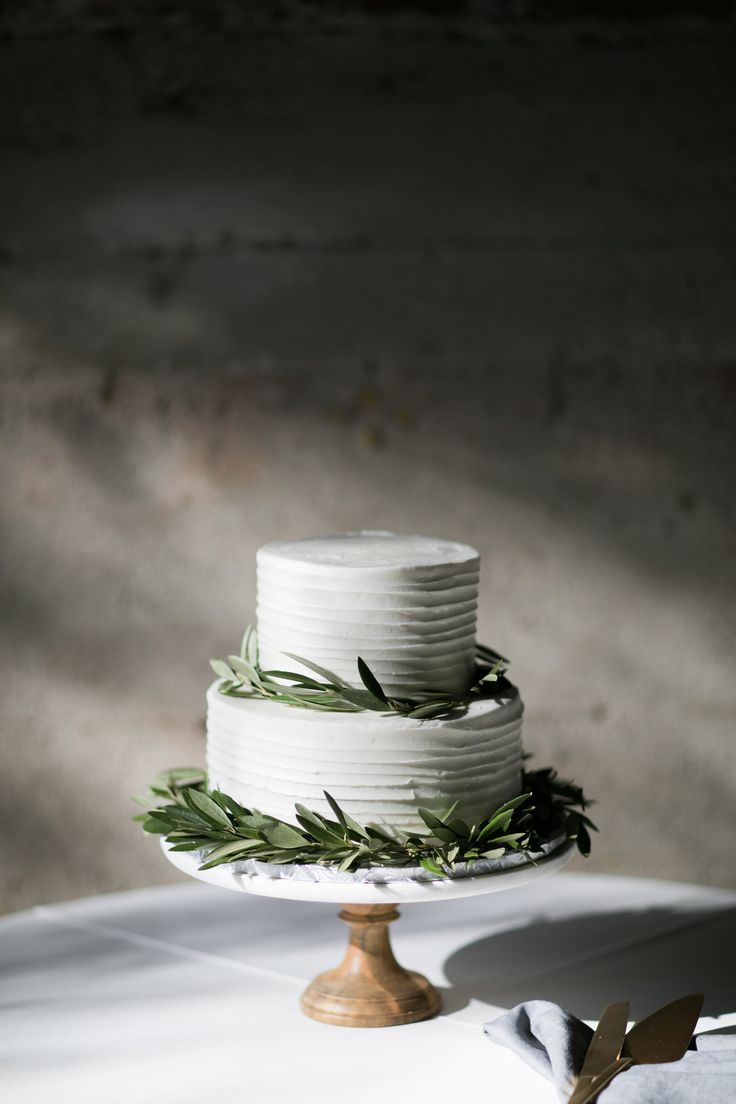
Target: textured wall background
277	275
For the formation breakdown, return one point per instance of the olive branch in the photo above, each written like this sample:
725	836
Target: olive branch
242	677
179	807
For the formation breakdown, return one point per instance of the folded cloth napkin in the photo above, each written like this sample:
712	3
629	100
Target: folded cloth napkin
554	1043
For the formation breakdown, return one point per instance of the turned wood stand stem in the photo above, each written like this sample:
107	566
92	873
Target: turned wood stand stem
369	988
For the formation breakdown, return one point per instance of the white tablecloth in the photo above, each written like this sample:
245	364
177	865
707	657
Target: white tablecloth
190	994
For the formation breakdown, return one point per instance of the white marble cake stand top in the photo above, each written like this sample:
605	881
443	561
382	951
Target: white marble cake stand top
368	893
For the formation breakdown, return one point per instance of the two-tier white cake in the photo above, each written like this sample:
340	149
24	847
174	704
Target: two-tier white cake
407	606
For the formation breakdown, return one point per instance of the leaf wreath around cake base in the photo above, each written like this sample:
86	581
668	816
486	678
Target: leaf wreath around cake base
192	818
243	677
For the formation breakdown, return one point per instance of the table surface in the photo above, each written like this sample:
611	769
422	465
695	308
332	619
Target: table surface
189	993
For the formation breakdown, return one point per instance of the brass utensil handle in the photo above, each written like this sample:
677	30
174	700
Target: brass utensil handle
603	1079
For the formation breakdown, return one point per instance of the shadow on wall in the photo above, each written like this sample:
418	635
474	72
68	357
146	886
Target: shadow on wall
295	281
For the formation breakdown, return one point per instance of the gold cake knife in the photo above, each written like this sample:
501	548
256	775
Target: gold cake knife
605	1048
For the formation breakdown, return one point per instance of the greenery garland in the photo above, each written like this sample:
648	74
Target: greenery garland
192	818
179	806
242	677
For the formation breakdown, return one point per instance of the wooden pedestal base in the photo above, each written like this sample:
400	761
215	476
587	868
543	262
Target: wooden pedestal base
369	988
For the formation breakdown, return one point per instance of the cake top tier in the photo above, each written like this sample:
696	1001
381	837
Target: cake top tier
371	551
405	604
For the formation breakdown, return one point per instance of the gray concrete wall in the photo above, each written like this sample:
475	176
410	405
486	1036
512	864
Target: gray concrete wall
438	275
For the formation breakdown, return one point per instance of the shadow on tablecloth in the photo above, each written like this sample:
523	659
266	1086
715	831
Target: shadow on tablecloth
647	957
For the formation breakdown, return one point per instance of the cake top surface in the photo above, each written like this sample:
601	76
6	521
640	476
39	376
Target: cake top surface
370	549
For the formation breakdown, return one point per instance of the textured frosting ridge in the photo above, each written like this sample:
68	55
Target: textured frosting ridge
379	767
406	604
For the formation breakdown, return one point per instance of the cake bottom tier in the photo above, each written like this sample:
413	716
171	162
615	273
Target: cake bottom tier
379	767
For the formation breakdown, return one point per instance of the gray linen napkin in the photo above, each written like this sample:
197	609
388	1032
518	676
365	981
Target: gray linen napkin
554	1043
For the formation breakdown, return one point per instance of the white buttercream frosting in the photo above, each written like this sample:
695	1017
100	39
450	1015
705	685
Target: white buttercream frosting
380	767
406	604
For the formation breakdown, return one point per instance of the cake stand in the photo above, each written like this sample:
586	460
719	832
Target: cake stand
369	988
